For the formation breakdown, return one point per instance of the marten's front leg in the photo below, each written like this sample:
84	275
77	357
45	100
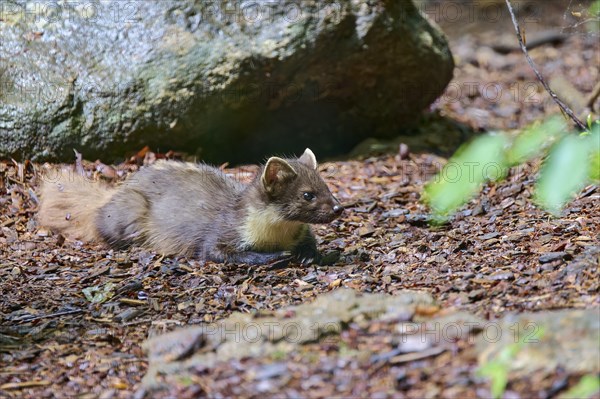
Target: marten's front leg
306	251
257	258
246	257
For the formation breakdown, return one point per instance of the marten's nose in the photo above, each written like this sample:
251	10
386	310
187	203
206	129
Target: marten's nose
338	209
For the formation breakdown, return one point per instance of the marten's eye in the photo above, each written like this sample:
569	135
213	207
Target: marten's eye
309	196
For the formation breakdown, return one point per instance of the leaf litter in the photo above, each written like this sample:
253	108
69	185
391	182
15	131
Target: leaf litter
75	315
498	256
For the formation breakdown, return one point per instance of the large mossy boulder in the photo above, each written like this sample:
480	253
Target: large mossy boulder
224	80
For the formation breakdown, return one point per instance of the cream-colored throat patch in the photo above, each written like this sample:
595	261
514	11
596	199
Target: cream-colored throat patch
265	230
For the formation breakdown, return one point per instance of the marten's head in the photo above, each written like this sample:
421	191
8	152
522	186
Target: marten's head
296	189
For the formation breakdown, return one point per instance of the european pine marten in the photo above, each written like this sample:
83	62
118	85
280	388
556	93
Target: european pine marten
196	210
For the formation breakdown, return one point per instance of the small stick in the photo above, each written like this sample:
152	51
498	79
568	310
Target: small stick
25	384
47	316
593	96
558	101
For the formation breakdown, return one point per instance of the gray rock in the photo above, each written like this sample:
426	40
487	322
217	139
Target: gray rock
230	81
546	340
246	335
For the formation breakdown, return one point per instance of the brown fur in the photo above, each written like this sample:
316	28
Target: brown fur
70	203
196	210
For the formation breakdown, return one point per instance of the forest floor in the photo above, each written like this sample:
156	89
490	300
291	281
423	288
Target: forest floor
499	254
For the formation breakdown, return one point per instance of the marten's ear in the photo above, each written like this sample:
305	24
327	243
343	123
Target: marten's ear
277	170
308	159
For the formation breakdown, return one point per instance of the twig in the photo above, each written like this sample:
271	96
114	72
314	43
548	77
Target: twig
532	42
25	384
412	356
47	316
558	101
589	102
394	358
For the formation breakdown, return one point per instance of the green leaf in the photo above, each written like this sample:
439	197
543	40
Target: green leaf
585	388
595	166
185	380
564	173
594	144
594	9
97	294
534	140
497	372
498	368
461	178
591	20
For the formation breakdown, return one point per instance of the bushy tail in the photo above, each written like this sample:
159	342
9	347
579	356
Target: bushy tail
70	203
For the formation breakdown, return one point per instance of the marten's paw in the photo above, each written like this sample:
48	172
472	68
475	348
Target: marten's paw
307	254
307	259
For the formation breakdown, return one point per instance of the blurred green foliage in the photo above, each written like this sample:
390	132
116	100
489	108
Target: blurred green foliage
588	386
462	177
592	24
565	171
534	140
498	368
594	9
571	161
